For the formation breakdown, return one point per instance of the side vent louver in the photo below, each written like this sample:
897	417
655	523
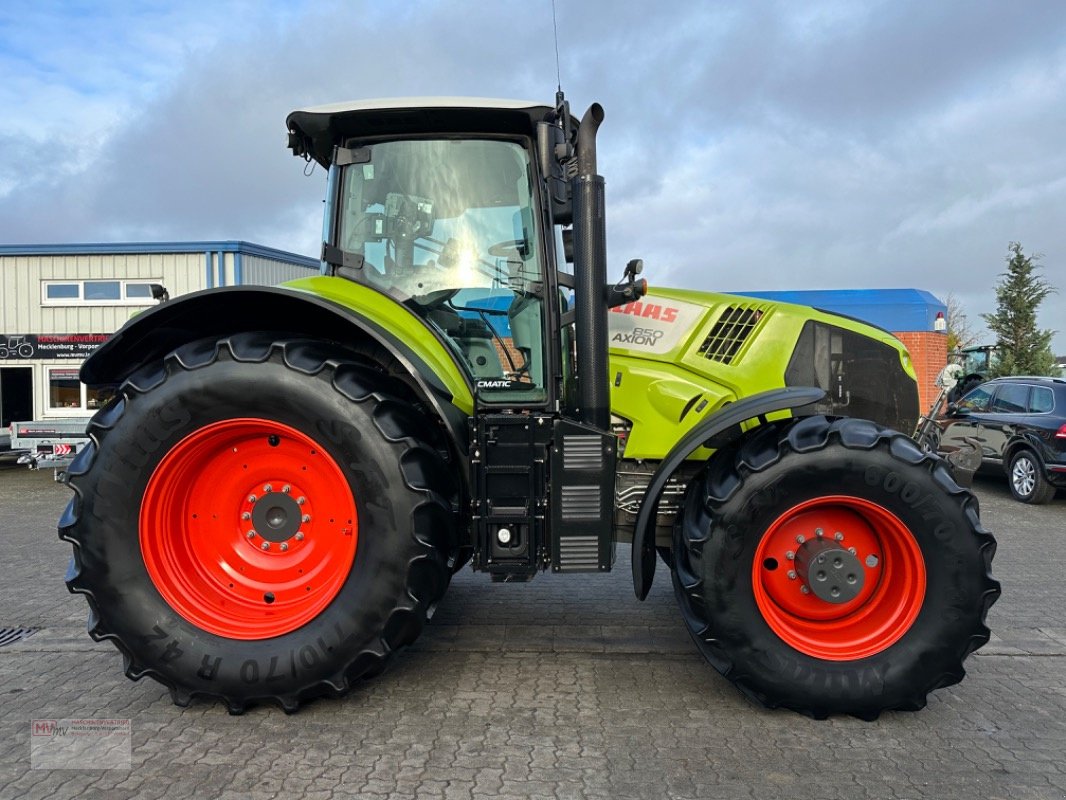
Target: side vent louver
581	502
733	328
582	452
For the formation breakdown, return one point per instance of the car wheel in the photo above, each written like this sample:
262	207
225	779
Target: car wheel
1027	481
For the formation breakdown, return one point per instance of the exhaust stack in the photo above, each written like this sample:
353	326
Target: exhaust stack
590	276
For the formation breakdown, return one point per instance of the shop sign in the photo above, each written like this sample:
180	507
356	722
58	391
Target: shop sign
22	346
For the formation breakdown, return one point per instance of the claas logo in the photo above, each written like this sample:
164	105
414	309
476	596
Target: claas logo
648	311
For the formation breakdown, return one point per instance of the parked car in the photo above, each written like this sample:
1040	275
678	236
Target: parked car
1020	424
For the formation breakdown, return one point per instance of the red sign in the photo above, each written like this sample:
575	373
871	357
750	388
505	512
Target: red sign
648	311
23	346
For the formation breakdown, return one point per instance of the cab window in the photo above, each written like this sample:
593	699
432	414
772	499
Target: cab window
447	227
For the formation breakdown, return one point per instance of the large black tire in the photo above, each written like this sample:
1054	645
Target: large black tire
1025	473
879	483
397	482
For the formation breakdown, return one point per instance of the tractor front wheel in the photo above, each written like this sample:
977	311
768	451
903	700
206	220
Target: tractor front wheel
259	520
833	567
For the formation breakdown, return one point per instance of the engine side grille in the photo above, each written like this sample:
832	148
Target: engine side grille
582	452
581	502
733	328
579	554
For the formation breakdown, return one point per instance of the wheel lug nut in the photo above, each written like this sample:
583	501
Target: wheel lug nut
819	532
838	536
250	534
265	545
299	536
246	515
251	498
268	488
306	518
801	538
284	546
871	560
790	555
852	550
301	500
792	574
805	590
286	488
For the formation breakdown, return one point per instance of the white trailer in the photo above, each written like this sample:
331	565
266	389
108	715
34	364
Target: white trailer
49	443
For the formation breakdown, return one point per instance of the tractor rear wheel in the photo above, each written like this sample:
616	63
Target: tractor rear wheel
833	567
257	520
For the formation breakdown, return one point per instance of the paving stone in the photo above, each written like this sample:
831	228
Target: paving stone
565	687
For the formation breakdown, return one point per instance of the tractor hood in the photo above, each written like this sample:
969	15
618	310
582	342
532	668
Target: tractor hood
689	353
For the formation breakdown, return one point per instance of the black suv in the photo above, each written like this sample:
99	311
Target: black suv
1020	424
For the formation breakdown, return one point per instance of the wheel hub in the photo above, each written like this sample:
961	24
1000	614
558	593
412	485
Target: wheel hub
276	517
830	572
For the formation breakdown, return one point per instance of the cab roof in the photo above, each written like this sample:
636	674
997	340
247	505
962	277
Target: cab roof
313	132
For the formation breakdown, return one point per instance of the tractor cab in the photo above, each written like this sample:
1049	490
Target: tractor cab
448	207
449	223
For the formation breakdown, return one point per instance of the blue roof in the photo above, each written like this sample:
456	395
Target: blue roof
892	309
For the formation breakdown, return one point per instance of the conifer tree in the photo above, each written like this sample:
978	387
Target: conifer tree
1023	348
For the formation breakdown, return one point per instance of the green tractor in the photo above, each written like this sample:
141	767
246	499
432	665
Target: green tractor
287	478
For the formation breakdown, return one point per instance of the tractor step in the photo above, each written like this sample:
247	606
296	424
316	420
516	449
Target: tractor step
525	464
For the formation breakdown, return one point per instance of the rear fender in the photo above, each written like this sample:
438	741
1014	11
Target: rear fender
758	405
340	316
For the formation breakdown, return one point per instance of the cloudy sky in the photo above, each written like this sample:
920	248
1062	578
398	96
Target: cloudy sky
747	145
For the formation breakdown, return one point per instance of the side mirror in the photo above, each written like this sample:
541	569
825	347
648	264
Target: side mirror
953	409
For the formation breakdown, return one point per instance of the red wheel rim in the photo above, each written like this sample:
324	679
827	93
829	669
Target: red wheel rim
892	578
248	528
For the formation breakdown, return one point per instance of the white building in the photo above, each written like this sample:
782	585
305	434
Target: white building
59	302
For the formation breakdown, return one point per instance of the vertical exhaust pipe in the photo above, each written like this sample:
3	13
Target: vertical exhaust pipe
590	276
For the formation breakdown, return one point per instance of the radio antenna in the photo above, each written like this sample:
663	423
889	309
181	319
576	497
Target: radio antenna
558	71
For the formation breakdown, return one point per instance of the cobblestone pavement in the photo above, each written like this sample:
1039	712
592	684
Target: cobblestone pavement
565	687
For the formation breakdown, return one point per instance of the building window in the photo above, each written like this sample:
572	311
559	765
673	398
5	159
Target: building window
102	290
67	393
64	388
97	292
62	291
143	290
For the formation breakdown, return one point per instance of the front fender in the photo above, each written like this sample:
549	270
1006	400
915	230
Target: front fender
758	405
313	308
